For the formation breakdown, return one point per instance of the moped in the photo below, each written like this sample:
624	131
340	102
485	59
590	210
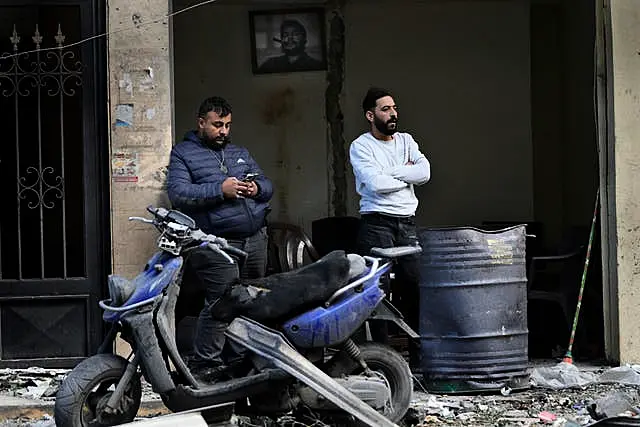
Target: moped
298	354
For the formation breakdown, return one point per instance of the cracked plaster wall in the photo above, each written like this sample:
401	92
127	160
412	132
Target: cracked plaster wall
141	127
140	124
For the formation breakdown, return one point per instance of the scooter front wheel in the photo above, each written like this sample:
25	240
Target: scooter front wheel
83	395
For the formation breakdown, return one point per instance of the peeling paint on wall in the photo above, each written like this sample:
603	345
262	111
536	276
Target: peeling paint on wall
140	80
124	115
126	84
160	176
146	80
149	113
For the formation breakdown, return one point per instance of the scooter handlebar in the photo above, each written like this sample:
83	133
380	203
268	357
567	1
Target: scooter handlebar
141	219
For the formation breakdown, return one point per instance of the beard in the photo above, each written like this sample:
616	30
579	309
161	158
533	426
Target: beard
293	49
386	128
220	141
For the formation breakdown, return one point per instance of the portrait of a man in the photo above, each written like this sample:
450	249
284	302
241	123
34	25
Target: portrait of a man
288	42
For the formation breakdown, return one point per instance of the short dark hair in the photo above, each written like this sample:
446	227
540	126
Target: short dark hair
293	23
372	96
217	104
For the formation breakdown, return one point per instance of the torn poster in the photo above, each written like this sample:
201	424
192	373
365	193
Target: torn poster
124	166
124	115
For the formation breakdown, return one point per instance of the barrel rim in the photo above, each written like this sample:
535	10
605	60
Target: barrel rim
473	228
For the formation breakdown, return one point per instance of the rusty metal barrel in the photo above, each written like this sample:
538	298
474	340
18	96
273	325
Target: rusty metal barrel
473	309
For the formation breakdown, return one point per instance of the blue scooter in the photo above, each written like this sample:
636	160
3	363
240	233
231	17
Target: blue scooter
299	355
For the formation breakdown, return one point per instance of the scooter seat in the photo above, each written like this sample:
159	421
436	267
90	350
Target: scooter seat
286	294
357	266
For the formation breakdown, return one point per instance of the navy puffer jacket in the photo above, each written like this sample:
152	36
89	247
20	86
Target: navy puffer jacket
194	185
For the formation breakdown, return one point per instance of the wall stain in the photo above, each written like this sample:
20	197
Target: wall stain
278	111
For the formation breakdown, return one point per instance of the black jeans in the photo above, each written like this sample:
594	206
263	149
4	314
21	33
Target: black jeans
384	231
214	274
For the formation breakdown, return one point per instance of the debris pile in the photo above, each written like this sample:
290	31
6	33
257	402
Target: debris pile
31	383
46	421
42	384
561	395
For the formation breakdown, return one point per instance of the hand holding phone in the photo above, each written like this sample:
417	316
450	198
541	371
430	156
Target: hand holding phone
250	177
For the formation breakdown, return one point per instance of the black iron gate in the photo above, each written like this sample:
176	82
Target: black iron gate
52	241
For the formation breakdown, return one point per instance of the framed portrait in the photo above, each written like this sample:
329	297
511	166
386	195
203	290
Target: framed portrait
287	41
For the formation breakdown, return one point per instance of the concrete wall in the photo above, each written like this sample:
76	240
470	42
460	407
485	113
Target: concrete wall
279	118
460	72
625	16
141	126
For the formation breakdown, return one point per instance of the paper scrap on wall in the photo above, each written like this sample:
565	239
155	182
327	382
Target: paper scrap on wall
124	166
124	115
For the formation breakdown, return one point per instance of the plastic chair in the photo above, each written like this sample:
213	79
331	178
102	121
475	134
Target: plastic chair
288	245
560	282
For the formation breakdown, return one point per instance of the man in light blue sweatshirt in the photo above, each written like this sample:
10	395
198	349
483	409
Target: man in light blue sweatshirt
387	164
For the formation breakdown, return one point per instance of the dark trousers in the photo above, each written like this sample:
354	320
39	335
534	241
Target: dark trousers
214	274
383	231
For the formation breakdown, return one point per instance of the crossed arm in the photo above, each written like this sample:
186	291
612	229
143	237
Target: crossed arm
415	171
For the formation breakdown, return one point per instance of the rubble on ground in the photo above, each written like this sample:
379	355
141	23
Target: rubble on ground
42	384
46	421
562	395
533	407
32	383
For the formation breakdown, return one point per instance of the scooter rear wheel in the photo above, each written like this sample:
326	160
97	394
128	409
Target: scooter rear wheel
82	397
386	361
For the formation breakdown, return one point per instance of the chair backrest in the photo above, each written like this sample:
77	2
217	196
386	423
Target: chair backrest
335	232
288	245
563	267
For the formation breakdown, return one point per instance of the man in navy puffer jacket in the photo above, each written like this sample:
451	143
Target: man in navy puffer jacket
207	180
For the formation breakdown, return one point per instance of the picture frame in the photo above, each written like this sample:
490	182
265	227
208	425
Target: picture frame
288	40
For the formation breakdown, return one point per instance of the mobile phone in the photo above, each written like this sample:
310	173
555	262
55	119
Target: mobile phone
250	177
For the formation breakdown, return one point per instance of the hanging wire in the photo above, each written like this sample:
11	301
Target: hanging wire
132	27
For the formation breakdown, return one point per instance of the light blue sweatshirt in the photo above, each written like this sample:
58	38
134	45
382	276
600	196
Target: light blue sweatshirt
384	180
